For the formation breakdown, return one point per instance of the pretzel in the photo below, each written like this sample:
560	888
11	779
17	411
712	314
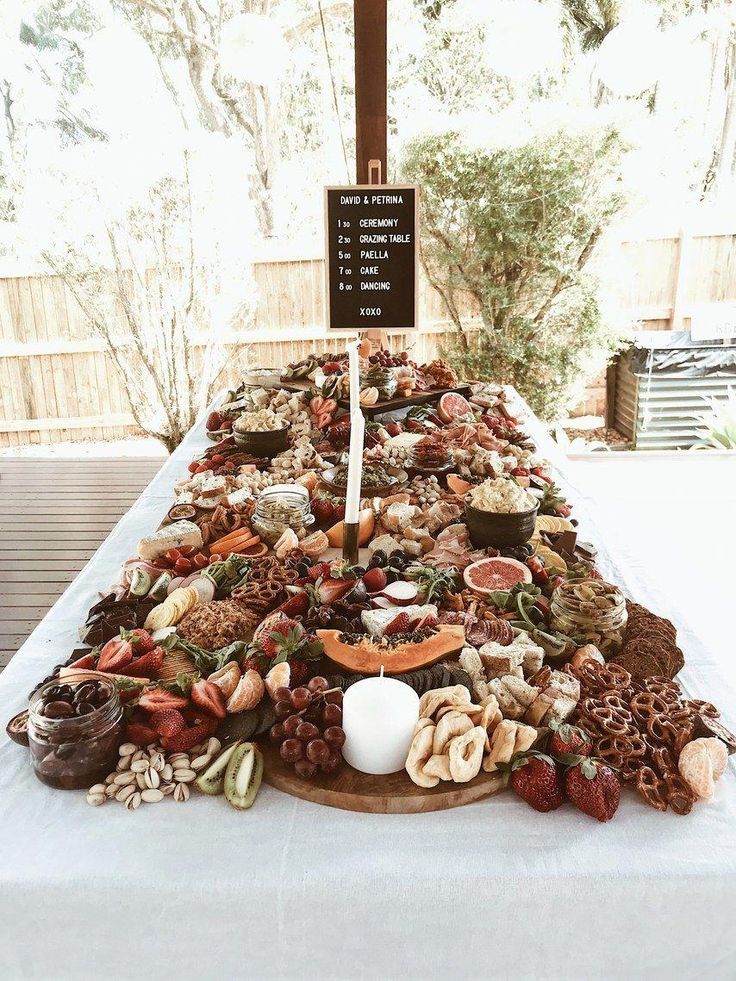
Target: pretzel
260	597
610	722
703	708
646	705
615	750
661	729
652	788
614	700
293	558
666	688
596	678
679	796
542	677
662	761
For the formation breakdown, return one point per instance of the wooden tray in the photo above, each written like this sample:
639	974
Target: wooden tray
383	405
392	794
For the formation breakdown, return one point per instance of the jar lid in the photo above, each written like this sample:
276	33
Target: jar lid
285	489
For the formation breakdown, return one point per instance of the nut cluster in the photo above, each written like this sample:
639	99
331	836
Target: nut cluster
146	776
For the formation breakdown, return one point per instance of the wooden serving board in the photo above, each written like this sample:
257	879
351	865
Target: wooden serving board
391	794
383	405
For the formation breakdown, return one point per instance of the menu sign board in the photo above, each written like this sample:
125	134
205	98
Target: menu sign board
371	257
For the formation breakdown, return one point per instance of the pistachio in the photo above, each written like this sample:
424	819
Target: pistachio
123	779
184	776
127	749
168	788
139	766
110	790
138	755
213	746
168	772
124	793
99	788
152	795
181	764
140	779
151	778
133	801
200	762
110	778
158	761
181	792
96	799
124	763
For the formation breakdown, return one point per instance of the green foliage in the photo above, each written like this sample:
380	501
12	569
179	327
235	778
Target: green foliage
507	232
719	424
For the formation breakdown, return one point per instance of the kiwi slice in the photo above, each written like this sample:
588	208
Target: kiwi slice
212	780
243	776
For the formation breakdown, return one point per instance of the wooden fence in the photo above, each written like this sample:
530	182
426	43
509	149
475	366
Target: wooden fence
58	383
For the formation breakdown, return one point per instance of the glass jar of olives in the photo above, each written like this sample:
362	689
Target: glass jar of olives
74	731
277	511
592	612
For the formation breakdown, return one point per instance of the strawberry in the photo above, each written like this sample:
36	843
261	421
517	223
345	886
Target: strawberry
156	700
520	472
319	570
211	699
394	428
399	625
566	739
140	734
374	580
252	663
214	421
331	368
147	665
141	640
285	637
168	723
339	512
330	590
296	605
300	672
183	741
593	788
323	510
536	779
115	655
85	661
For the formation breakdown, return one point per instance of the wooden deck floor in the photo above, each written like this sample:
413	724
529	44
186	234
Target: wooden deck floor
54	514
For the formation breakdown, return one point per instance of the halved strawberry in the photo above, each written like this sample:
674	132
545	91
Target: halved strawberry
211	699
399	625
141	640
157	700
115	655
140	734
330	590
319	570
147	665
374	580
168	723
87	661
296	605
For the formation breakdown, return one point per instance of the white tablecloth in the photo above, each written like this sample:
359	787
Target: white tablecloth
295	890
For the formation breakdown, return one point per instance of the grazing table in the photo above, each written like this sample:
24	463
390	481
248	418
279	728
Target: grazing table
294	889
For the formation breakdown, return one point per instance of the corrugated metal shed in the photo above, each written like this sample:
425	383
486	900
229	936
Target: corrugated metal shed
662	384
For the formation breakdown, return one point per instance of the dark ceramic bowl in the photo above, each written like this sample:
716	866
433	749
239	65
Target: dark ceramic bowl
396	476
269	443
486	528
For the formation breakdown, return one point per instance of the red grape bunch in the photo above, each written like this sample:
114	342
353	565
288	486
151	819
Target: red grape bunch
308	727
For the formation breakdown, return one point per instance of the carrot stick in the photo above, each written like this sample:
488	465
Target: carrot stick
242	546
228	540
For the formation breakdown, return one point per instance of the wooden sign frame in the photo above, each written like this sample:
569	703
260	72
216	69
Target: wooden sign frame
364	328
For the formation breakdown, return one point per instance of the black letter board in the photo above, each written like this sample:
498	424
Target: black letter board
371	257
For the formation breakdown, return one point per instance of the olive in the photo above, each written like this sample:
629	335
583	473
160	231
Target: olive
302	569
57	710
374	563
381	556
359	570
391	576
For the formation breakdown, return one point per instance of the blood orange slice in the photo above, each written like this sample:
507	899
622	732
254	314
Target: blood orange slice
452	405
489	574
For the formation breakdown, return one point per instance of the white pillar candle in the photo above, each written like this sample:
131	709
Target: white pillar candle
355	466
354	374
379	716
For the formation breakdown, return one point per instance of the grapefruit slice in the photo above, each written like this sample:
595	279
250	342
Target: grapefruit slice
489	574
452	405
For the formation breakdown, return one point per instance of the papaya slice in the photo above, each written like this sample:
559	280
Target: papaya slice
367	656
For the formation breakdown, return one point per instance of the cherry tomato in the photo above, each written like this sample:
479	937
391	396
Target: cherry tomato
217	459
193	466
203	468
182	566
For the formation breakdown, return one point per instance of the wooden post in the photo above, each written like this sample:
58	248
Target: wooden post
370	87
677	319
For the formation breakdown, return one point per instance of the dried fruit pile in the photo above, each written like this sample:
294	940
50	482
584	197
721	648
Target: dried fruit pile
235	622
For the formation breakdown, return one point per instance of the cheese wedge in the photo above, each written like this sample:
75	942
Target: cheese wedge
175	535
